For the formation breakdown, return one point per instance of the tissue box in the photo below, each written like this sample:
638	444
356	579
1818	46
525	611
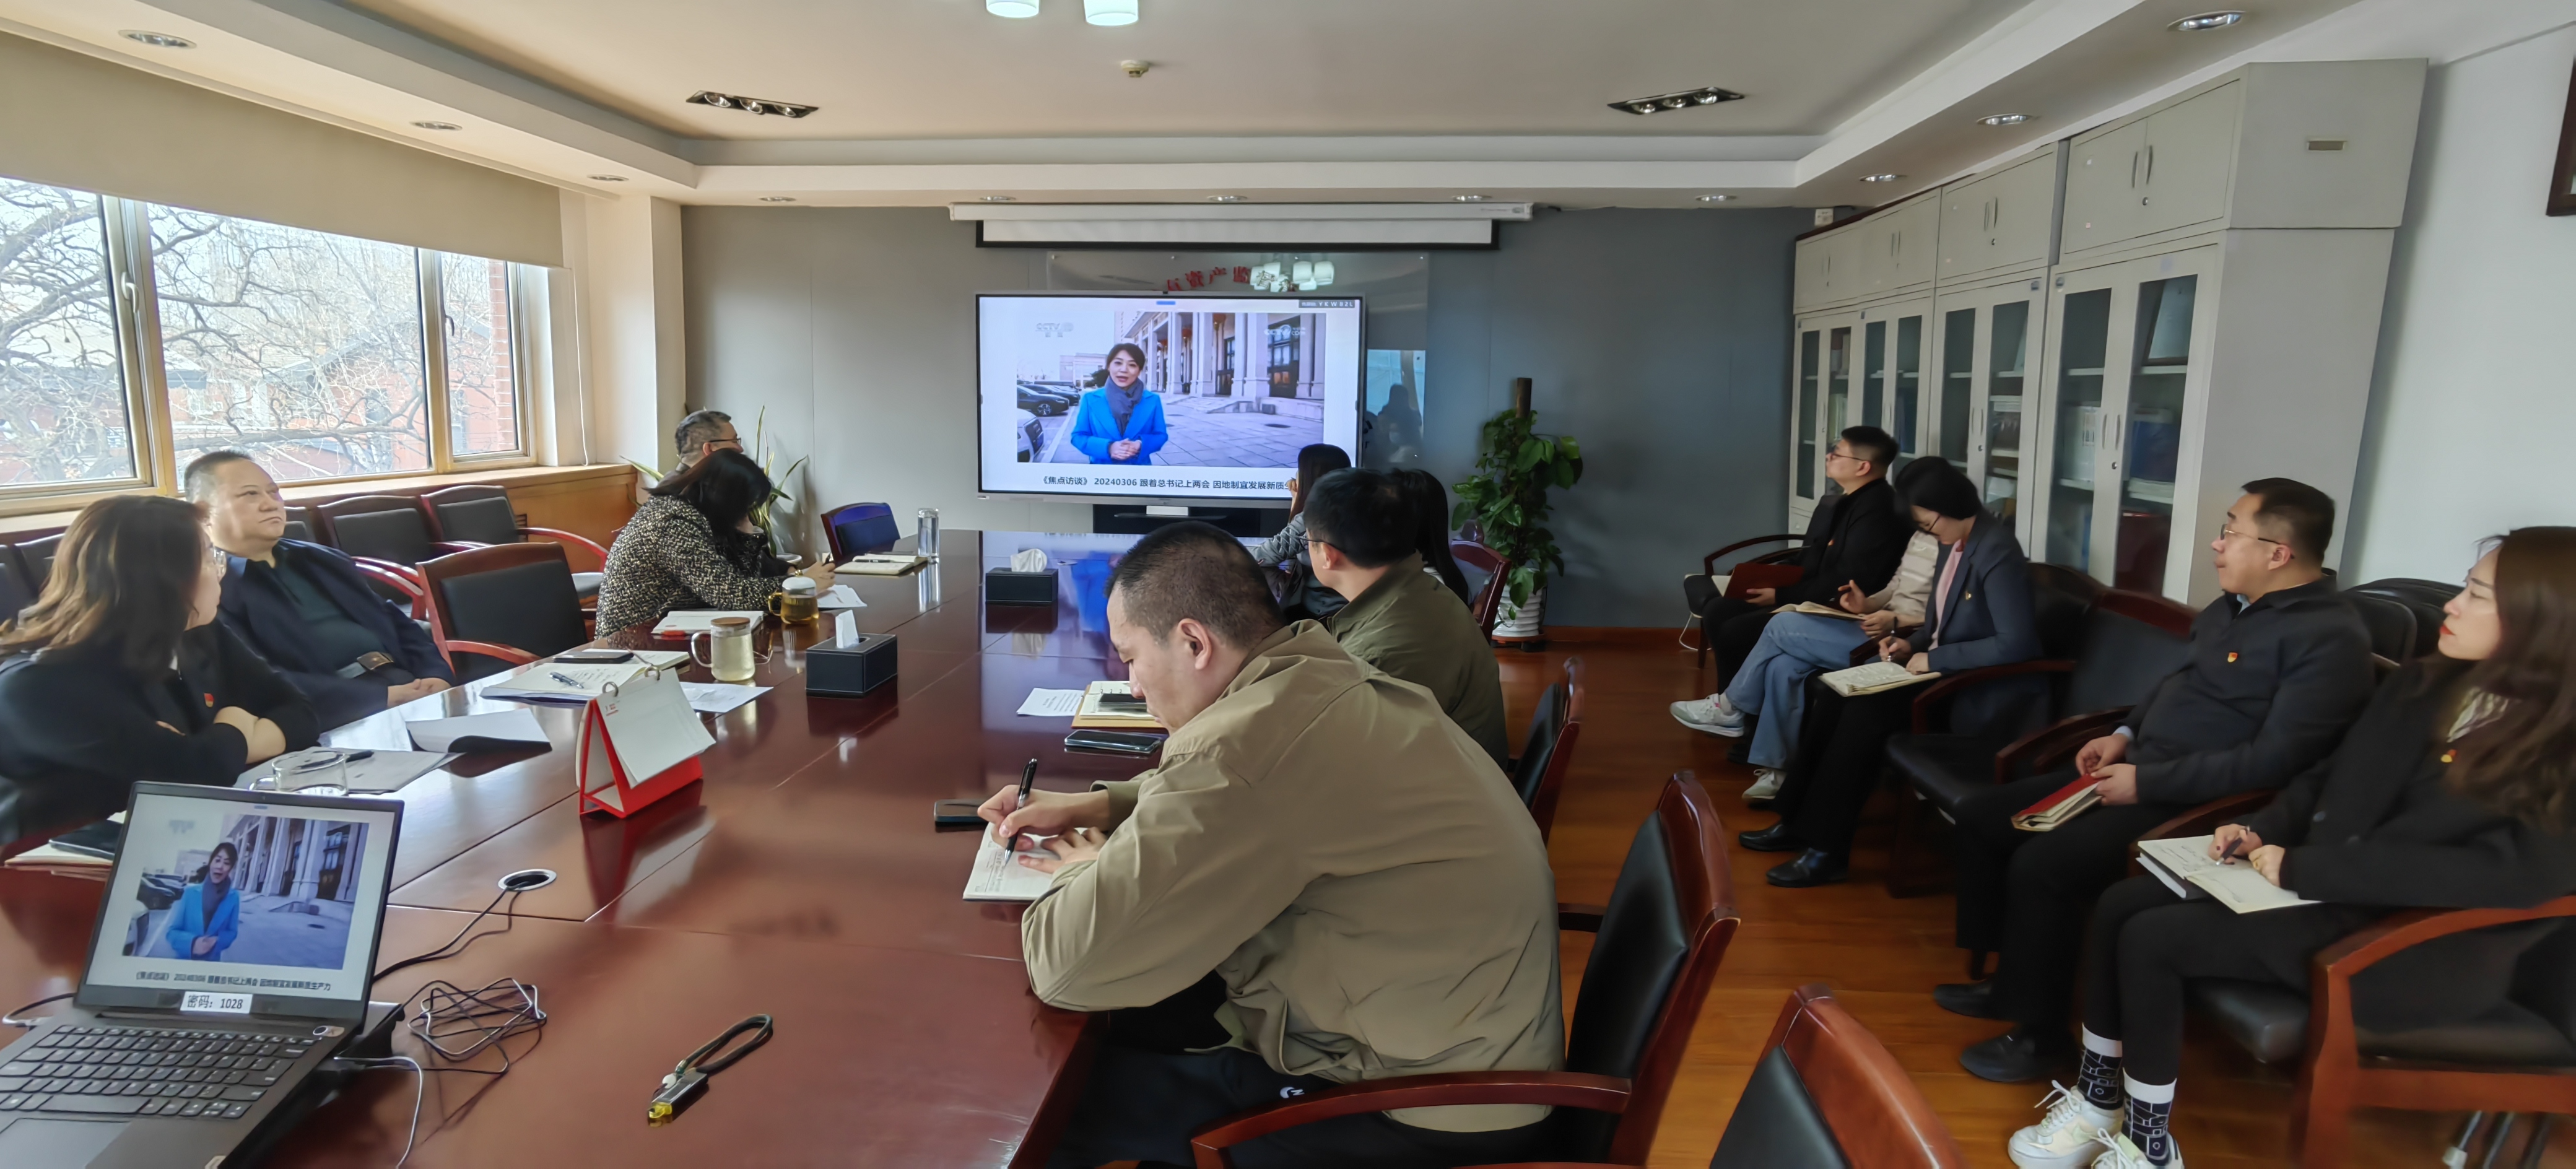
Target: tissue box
851	670
1003	586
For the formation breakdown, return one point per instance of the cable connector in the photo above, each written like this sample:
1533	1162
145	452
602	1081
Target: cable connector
689	1078
677	1089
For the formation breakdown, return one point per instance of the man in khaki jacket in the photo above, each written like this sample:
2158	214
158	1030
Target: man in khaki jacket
1359	536
1372	902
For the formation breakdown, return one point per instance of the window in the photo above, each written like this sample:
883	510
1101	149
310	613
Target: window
134	338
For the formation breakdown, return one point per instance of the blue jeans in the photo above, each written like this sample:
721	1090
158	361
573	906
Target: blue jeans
1772	682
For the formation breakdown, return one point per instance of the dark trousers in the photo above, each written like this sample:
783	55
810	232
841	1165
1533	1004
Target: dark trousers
2025	894
1147	1094
1842	750
2144	944
1731	627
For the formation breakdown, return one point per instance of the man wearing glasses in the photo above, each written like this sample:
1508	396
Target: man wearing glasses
2278	668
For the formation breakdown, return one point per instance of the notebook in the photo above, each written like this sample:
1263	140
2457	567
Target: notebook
2184	866
999	876
1872	677
1821	610
880	564
1112	706
682	622
2062	805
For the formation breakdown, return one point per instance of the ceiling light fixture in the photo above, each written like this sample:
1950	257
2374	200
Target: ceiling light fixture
2206	21
1706	95
749	105
2003	119
1716	198
1469	198
608	178
1015	9
158	40
1001	198
1880	178
439	126
1107	13
1225	198
778	198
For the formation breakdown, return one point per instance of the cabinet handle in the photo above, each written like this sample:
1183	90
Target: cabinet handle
2134	159
2151	164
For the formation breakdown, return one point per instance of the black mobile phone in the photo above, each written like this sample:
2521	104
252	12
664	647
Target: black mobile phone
956	814
1115	742
596	657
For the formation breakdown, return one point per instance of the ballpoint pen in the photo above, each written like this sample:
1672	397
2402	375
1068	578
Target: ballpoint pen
564	678
1028	777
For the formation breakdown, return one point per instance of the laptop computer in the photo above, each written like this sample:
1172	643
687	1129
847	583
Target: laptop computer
234	950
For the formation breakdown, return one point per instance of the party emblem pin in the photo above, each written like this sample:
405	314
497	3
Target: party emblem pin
2231	656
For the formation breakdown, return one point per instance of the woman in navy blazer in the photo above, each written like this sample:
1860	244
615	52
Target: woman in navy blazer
1980	616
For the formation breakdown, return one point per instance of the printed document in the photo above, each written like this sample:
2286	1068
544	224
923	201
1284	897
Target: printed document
1052	703
999	876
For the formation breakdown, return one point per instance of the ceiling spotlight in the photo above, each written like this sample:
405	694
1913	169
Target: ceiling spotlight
749	105
778	198
1106	12
442	126
1015	9
1706	95
2003	119
1880	178
158	40
1469	198
1716	198
608	178
1225	198
2206	21
1001	198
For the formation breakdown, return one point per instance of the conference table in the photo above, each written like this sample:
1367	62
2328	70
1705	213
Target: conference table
801	878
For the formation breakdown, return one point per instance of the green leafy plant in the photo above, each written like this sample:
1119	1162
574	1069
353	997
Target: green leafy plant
768	460
1507	498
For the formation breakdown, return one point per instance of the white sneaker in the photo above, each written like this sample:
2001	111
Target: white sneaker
2118	1153
2073	1133
1711	715
1766	783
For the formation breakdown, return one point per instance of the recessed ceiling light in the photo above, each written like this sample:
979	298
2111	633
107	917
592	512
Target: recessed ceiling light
749	105
440	126
1015	9
2206	21
1225	198
158	40
1001	198
1706	95
1880	178
1108	12
2003	119
778	198
1469	198
608	178
1716	198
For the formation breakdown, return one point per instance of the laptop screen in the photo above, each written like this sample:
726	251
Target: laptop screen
228	902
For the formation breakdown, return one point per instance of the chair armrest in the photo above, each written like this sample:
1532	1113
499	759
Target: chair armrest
401	578
2366	946
1950	685
443	547
516	657
1557	1165
2046	747
569	540
2205	819
1558	1089
1708	563
1582	918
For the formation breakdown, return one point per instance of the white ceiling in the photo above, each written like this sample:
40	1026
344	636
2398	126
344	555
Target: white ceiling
927	102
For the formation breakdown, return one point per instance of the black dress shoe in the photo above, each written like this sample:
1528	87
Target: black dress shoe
2018	1056
1775	838
1976	1000
1812	868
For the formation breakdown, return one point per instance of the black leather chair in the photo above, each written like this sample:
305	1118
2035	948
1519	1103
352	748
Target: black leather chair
2424	598
1658	945
1698	590
299	525
2391	623
477	513
36	559
15	593
502	605
1548	753
389	532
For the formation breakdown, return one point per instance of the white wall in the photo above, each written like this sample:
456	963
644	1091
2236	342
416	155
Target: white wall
631	321
2474	396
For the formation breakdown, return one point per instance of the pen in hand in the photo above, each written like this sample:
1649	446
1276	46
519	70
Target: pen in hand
1028	778
2227	855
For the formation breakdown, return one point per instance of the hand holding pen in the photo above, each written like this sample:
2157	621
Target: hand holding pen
2231	841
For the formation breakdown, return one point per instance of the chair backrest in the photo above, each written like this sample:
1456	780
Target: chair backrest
14	593
856	528
379	527
1548	752
2424	598
2129	643
1487	606
515	595
1665	931
299	525
474	513
2059	598
2390	621
1827	1092
36	559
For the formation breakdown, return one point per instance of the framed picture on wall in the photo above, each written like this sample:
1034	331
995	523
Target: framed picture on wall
2562	178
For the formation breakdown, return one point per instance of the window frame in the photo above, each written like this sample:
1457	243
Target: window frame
126	224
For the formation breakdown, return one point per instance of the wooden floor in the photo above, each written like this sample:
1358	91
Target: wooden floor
1881	956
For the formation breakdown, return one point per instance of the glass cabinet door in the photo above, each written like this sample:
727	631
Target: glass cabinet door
1873	392
1989	340
2158	372
1809	348
1906	390
1957	388
2077	432
2008	354
1837	382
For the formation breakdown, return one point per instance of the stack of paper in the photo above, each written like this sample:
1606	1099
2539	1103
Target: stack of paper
563	681
53	858
2183	864
1113	706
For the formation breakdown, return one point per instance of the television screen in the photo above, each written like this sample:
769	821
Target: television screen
1162	396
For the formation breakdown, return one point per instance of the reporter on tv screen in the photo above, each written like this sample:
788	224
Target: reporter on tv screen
1122	421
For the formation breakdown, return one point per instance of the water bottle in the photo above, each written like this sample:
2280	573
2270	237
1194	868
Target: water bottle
926	541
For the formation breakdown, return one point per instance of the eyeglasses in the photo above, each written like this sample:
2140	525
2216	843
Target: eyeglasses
2231	534
1831	455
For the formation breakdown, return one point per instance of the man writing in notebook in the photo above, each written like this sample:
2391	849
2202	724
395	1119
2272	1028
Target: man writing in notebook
1323	883
2278	667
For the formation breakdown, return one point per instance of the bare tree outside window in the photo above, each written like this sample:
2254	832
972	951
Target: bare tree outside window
301	348
482	381
63	412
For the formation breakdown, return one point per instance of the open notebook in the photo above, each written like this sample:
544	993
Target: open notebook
1872	677
2184	866
999	876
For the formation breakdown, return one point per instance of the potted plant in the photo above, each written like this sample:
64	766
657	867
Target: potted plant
763	514
1506	502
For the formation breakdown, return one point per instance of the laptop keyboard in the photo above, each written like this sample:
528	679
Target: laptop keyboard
147	1071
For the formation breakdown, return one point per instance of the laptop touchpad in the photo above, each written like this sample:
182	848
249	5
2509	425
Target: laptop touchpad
32	1141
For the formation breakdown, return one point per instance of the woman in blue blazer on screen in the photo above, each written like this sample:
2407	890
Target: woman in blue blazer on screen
1122	421
208	916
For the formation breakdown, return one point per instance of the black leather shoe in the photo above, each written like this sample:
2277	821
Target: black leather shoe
2018	1056
1775	838
1976	1000
1812	868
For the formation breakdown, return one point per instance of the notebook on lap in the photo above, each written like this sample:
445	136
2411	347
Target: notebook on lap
235	947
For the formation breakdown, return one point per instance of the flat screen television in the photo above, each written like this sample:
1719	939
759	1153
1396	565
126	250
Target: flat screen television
1161	397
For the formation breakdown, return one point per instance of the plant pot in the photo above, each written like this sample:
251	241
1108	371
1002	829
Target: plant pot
1520	622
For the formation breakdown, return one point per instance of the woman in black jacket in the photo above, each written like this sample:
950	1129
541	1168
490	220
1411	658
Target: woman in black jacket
119	672
2455	790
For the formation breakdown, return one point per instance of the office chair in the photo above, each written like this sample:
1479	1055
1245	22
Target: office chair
478	513
857	528
509	603
1548	753
1487	606
36	559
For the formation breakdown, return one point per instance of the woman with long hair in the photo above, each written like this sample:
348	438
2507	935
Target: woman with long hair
207	919
1430	503
119	672
1122	421
694	545
2455	790
1286	551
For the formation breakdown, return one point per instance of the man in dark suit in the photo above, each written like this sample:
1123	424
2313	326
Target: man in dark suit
1857	537
303	606
2279	667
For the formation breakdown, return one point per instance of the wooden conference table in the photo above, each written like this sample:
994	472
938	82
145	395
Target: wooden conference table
801	879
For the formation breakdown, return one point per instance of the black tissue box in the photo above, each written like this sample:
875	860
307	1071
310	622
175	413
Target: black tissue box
1003	586
833	670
